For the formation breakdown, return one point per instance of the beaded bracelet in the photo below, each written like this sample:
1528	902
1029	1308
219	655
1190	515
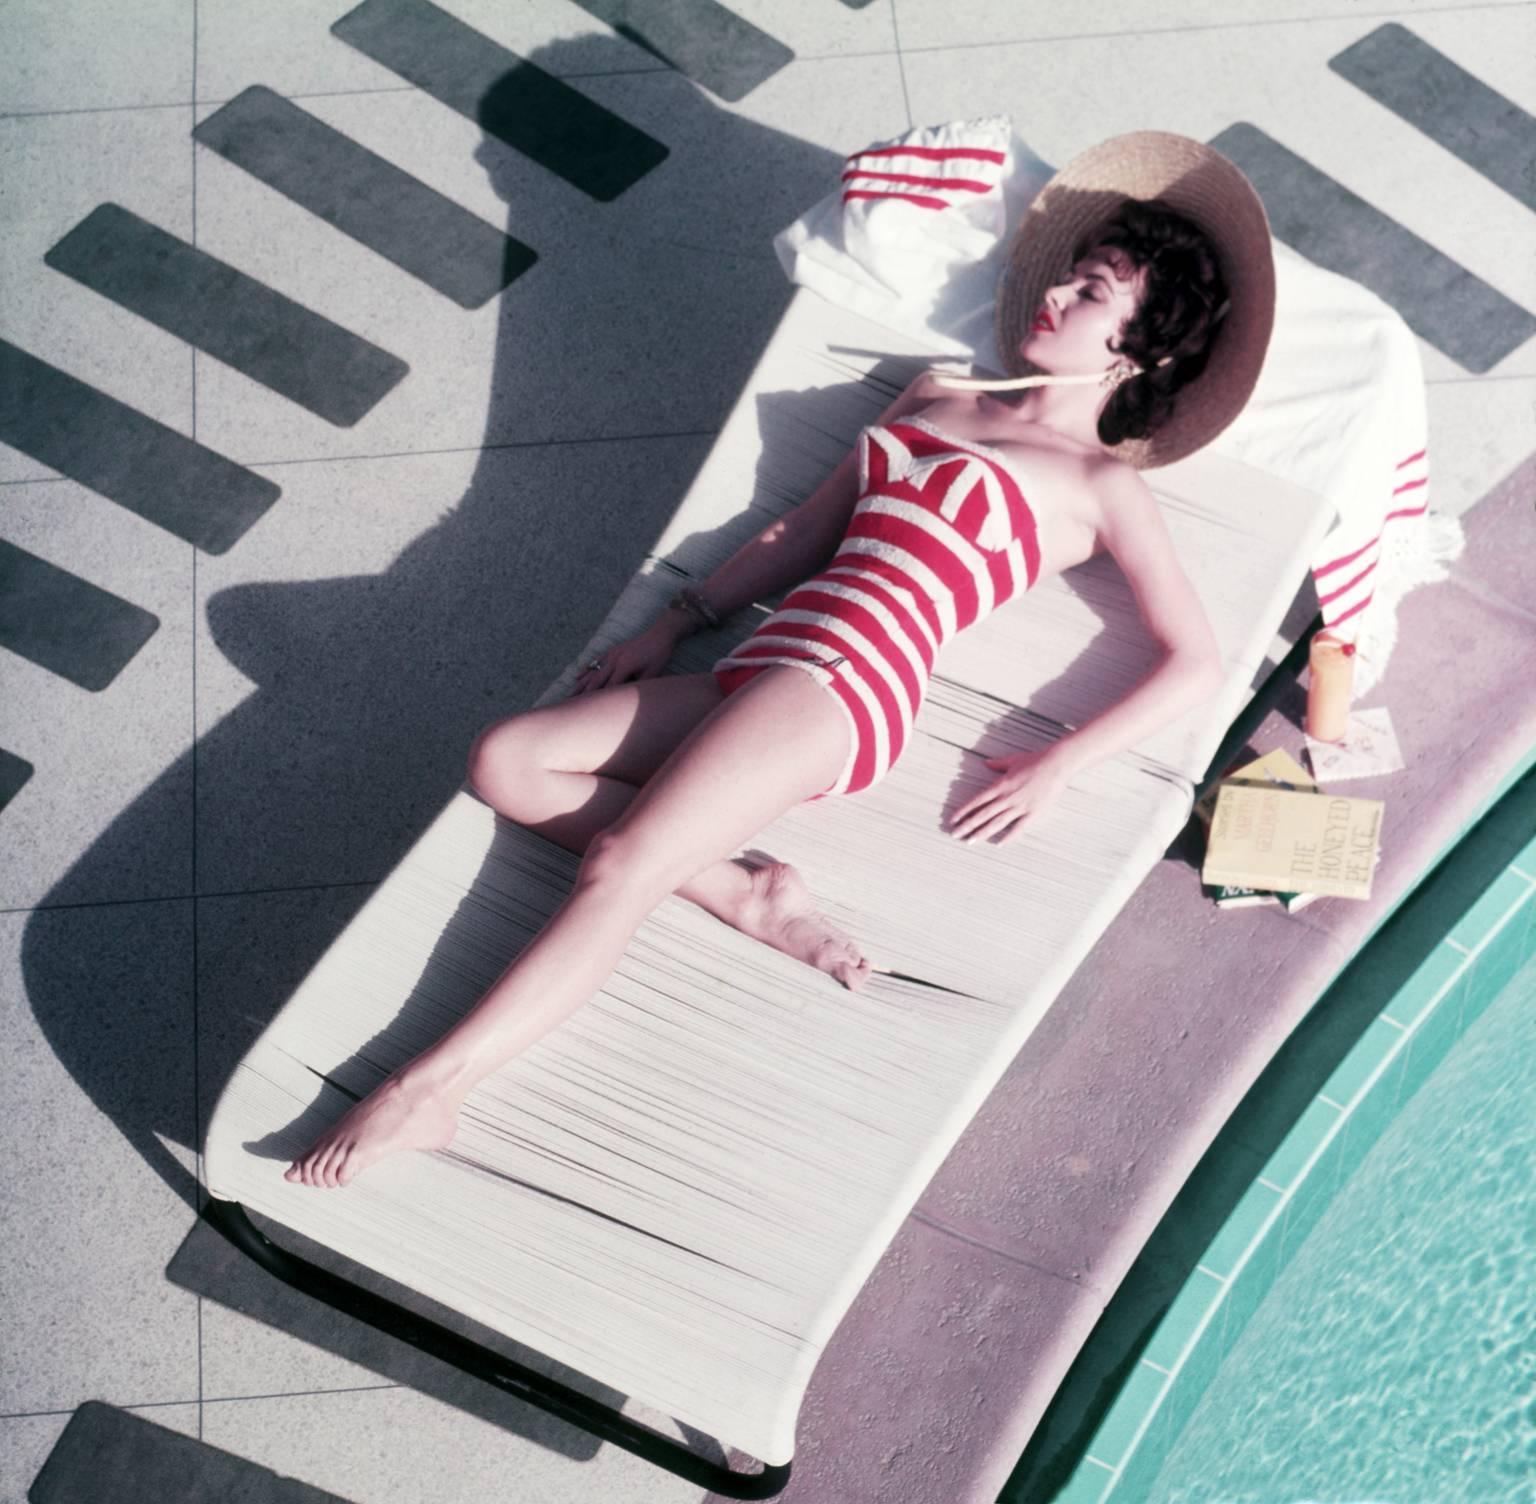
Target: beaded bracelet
689	600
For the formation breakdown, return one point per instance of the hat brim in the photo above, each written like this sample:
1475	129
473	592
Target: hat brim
1198	182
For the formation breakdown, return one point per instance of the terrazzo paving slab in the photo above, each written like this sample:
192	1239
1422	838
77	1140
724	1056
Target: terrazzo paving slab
365	196
513	99
126	456
252	328
587	341
15	772
288	46
98	1186
57	169
149	1463
26	1441
336	709
93	54
259	1337
700	38
391	1444
1459	314
1451	105
978	23
64	624
107	814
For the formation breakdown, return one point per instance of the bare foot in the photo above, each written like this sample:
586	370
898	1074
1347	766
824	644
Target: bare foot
401	1113
781	913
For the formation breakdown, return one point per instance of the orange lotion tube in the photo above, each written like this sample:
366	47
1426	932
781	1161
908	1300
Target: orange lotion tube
1332	667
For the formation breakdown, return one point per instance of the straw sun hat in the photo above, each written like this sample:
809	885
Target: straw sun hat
1196	181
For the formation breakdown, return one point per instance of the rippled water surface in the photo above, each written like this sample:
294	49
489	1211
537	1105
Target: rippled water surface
1394	1361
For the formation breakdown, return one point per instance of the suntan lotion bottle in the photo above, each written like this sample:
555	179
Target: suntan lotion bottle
1331	666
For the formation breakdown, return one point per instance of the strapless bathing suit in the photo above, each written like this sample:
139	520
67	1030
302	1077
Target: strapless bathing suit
940	536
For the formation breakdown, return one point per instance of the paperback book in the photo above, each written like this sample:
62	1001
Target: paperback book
1293	840
1278	768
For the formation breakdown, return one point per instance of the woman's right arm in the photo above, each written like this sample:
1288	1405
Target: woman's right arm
798	544
787	551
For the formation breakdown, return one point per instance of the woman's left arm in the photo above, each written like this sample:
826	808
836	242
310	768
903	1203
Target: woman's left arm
1136	535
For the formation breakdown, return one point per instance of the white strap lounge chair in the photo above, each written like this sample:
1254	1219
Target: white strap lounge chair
680	1190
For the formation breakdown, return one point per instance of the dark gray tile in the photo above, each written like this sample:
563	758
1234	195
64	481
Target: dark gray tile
1444	303
299	353
163	476
365	197
65	624
1452	107
109	1453
710	44
508	97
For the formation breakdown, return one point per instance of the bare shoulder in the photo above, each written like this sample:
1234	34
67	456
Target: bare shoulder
1123	497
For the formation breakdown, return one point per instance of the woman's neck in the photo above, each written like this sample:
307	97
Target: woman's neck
1070	412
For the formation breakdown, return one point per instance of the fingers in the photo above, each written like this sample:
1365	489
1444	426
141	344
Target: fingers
980	821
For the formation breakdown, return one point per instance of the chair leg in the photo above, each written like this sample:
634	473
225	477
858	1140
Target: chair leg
230	1218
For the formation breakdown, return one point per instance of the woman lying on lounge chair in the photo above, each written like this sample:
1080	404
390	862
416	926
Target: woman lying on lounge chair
954	501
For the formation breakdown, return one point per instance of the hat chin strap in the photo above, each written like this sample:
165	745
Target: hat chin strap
1112	377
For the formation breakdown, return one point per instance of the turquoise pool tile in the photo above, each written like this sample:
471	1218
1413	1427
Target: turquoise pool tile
1253	1282
1310	1202
1507	889
1138	1394
1179	1402
1525	858
1428	1043
1504	950
1309	1130
1204	1358
1141	1468
1200	1292
1352	1072
1478	993
1315	1189
1086	1485
1437	972
1240	1229
1368	1120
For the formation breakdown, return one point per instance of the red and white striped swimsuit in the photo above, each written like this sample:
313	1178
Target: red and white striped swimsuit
940	536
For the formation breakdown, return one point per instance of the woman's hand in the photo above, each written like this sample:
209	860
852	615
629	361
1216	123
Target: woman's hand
1031	783
641	657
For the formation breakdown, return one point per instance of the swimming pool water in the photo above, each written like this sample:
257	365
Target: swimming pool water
1394	1358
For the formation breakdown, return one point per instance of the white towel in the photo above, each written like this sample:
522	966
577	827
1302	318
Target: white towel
915	235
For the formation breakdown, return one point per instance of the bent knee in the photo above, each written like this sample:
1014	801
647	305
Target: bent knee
615	857
502	745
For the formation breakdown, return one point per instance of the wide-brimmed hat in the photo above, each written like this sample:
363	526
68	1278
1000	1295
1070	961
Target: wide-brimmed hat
1196	181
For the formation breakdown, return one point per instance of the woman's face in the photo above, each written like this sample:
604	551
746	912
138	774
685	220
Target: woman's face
1084	313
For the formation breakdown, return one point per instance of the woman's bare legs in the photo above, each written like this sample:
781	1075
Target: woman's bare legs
570	769
733	774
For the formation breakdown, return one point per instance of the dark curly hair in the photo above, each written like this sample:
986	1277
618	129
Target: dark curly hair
1179	312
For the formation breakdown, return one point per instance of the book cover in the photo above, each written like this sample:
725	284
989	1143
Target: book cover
1273	767
1296	841
1277	767
1230	896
